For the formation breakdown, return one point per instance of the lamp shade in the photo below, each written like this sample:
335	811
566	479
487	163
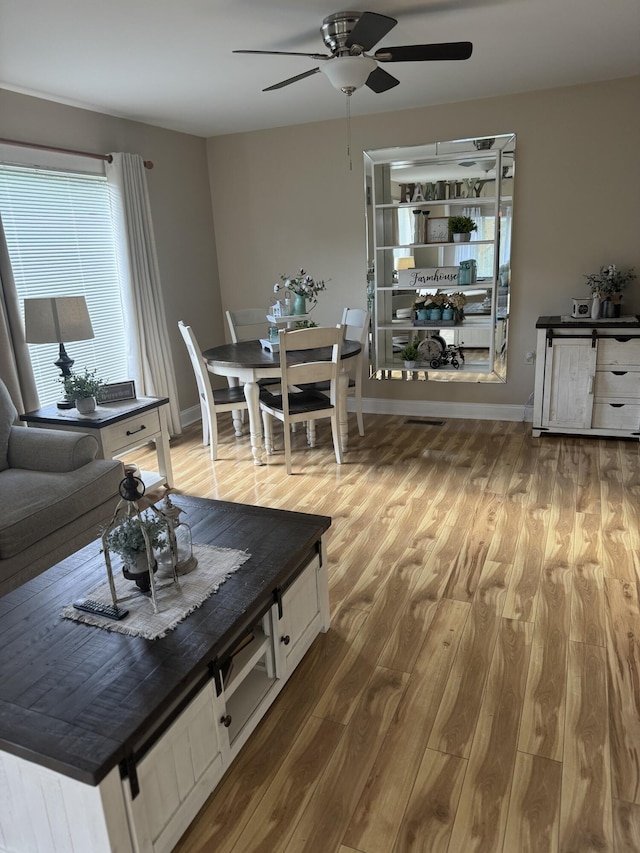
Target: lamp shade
348	72
407	263
56	319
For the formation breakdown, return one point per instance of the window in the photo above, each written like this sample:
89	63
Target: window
60	238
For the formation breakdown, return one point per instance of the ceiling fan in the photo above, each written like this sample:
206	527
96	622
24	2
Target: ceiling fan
349	35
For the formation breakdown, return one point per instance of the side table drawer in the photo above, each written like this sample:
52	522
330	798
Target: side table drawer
610	415
618	383
133	431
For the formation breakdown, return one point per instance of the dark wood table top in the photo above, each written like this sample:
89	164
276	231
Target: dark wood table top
609	323
105	413
78	699
251	354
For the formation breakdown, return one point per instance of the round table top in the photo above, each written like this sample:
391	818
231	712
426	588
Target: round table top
251	354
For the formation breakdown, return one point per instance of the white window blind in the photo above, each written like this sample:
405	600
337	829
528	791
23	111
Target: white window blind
61	243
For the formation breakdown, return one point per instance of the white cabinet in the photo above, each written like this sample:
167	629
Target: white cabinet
587	378
183	766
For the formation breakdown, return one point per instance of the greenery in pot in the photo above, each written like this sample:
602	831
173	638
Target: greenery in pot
462	225
409	353
127	539
81	385
610	281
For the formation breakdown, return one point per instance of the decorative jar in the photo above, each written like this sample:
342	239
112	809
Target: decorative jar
435	314
299	304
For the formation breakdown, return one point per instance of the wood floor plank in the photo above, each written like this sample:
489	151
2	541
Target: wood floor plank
428	819
322	826
533	819
401	505
626	827
542	726
278	812
522	595
482	812
586	810
458	712
623	667
588	606
378	814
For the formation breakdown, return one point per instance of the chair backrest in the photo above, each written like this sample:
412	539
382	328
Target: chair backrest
356	324
306	372
198	363
247	317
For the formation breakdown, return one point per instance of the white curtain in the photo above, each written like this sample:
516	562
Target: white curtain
146	329
15	363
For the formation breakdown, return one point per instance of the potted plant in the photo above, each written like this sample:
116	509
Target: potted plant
607	286
127	540
461	228
409	355
304	287
83	388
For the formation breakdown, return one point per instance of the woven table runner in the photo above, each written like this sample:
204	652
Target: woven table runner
215	565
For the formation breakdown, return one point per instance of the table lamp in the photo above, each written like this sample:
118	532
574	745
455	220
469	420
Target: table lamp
57	319
407	263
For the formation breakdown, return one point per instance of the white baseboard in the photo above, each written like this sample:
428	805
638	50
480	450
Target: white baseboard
430	408
418	409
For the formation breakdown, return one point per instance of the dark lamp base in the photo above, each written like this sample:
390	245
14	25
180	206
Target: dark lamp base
65	404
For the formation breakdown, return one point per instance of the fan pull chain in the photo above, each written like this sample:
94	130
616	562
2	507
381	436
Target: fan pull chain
348	97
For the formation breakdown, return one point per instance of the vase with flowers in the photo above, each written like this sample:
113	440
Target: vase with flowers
606	287
453	306
304	288
428	307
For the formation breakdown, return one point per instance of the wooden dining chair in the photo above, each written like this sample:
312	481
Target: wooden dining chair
304	404
356	328
212	401
247	324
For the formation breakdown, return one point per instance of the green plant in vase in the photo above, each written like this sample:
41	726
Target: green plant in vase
83	389
409	354
461	228
127	540
304	288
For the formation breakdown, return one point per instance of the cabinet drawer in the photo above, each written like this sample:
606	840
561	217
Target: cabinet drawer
133	431
625	416
619	383
619	352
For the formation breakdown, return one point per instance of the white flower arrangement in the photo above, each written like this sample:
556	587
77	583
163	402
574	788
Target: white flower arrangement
610	280
302	285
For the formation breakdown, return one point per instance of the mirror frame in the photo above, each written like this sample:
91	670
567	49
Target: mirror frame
448	176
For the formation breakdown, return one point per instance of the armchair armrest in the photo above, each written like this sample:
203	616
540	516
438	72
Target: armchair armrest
50	450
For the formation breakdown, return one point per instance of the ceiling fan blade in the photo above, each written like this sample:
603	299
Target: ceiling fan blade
425	52
371	27
286	53
292	80
381	81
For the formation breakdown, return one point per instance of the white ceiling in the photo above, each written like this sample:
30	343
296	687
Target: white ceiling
169	62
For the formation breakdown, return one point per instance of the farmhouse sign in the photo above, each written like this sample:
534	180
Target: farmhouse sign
438	276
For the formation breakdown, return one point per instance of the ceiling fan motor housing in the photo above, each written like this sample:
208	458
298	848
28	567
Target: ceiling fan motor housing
335	31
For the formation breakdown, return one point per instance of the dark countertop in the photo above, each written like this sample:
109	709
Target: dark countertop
78	699
105	413
570	323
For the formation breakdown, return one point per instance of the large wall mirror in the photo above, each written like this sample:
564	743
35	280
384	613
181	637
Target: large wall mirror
438	293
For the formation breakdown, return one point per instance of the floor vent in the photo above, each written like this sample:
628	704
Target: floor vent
423	422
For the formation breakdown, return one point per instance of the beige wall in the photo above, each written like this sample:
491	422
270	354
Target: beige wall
180	200
286	198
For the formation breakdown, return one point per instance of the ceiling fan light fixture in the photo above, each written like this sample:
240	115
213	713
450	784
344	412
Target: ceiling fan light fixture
348	73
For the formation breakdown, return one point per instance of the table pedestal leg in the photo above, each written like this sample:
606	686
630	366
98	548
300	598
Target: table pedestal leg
252	396
343	422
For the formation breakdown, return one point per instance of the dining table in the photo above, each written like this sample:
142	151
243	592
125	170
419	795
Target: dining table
247	362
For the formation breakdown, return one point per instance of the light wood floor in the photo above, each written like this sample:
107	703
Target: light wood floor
479	688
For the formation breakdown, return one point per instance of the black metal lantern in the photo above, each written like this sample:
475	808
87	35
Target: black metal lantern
137	532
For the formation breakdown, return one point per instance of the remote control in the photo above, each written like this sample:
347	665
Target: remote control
109	611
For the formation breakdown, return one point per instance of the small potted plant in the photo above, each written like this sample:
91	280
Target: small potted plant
409	355
127	540
461	228
83	388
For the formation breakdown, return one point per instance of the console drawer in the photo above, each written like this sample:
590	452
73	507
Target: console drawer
619	415
619	352
618	383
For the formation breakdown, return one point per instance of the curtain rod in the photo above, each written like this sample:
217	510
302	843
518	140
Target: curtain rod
148	164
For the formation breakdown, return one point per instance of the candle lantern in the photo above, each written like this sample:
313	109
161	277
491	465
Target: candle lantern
185	561
138	532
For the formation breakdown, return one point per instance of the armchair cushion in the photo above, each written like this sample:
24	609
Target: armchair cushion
50	450
8	414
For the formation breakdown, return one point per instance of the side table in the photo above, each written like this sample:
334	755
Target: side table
119	428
